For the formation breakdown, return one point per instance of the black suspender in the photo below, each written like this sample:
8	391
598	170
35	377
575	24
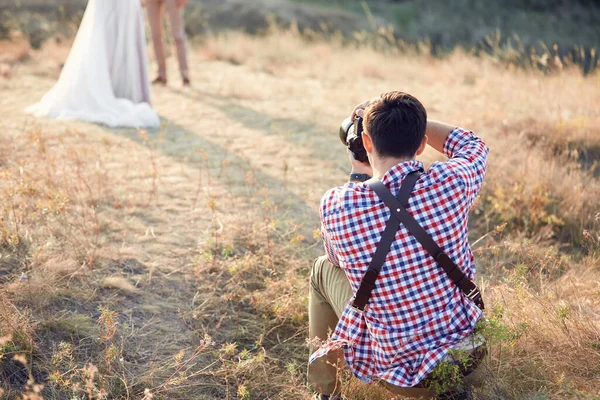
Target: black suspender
401	215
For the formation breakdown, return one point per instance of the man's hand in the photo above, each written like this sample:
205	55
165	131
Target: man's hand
180	3
143	3
359	110
359	167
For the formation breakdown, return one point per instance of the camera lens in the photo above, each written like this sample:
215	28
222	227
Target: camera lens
345	129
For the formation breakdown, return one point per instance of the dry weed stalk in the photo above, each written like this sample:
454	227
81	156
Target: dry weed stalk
143	135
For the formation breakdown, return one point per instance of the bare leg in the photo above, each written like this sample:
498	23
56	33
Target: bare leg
178	30
156	9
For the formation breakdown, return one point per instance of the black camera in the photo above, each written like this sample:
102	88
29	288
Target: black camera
351	135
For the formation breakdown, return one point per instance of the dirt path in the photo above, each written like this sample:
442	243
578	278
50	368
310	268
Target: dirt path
227	145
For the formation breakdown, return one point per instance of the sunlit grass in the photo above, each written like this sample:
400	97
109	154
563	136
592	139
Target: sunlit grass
143	267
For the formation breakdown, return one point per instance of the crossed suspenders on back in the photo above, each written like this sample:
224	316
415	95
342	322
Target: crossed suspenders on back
401	216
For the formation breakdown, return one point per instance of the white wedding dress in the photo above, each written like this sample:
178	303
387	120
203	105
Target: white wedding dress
105	77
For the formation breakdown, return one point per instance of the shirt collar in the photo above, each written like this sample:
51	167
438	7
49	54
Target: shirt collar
400	170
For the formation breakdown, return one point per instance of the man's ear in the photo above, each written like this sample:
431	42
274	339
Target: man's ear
367	141
421	148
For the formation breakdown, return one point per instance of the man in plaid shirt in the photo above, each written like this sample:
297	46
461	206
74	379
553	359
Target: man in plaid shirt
416	314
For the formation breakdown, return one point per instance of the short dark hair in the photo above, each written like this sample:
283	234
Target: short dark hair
396	121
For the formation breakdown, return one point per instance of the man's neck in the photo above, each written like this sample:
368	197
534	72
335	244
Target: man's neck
383	165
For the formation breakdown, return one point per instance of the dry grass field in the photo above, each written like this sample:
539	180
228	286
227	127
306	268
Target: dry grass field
173	264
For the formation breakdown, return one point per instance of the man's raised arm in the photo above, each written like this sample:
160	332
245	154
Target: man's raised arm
467	154
437	133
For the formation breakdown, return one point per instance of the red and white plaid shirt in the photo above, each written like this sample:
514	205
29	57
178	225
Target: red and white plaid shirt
415	313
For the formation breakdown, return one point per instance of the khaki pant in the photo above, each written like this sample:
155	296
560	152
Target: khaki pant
156	11
329	294
330	291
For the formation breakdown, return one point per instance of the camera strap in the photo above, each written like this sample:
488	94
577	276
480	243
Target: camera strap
399	215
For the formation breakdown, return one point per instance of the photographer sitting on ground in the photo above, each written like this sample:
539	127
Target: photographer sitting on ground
396	325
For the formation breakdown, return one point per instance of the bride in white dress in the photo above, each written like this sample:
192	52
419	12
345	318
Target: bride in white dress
105	77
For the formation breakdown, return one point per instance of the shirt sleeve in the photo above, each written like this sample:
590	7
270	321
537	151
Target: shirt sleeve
331	255
324	210
468	160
